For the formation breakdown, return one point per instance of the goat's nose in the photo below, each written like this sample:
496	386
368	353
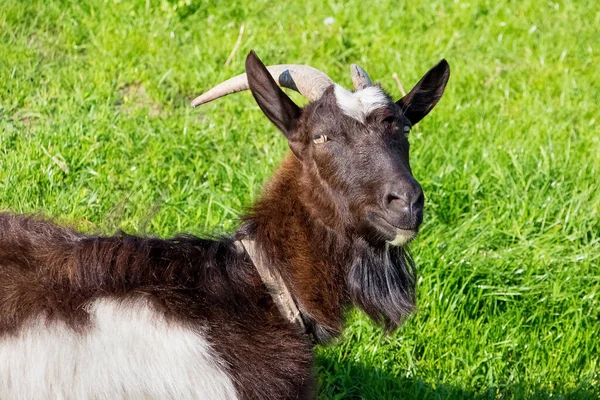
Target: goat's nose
406	200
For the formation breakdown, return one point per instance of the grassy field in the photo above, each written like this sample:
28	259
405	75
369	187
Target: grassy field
96	131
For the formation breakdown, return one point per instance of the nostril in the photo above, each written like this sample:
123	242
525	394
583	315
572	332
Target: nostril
397	202
404	202
392	197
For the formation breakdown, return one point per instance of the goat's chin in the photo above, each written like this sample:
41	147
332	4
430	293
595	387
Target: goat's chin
385	233
383	283
402	238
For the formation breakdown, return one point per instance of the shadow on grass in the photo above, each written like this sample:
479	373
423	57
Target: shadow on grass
350	380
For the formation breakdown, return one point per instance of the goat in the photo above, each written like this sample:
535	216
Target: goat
237	317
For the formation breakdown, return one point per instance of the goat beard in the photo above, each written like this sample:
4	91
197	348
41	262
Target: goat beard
382	282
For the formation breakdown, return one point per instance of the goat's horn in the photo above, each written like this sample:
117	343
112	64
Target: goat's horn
360	78
308	81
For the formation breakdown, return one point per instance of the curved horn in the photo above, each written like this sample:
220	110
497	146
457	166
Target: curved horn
360	78
308	81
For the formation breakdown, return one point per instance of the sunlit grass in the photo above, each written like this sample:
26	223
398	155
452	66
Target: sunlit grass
96	131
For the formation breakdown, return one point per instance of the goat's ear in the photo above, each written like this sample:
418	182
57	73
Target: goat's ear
425	95
273	102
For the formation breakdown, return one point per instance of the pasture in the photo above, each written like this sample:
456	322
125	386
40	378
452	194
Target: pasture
96	131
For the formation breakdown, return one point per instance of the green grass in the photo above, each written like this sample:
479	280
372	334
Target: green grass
96	131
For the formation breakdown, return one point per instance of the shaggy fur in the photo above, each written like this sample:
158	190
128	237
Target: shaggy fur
324	224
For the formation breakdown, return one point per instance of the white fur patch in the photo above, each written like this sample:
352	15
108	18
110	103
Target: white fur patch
402	237
129	352
361	103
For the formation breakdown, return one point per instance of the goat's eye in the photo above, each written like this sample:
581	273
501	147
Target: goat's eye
318	139
389	120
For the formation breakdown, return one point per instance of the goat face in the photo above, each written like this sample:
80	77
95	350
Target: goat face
354	152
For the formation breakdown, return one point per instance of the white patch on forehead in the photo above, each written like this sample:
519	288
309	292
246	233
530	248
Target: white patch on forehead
361	103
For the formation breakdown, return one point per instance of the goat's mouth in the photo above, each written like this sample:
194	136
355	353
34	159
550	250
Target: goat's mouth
394	233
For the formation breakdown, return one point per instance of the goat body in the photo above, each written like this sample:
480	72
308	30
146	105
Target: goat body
129	317
187	318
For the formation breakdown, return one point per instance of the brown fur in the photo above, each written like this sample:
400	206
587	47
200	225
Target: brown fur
318	225
52	271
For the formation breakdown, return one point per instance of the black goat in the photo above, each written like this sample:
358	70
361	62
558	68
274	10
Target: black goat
187	318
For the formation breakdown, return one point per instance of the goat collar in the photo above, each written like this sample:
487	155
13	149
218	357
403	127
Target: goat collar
275	285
